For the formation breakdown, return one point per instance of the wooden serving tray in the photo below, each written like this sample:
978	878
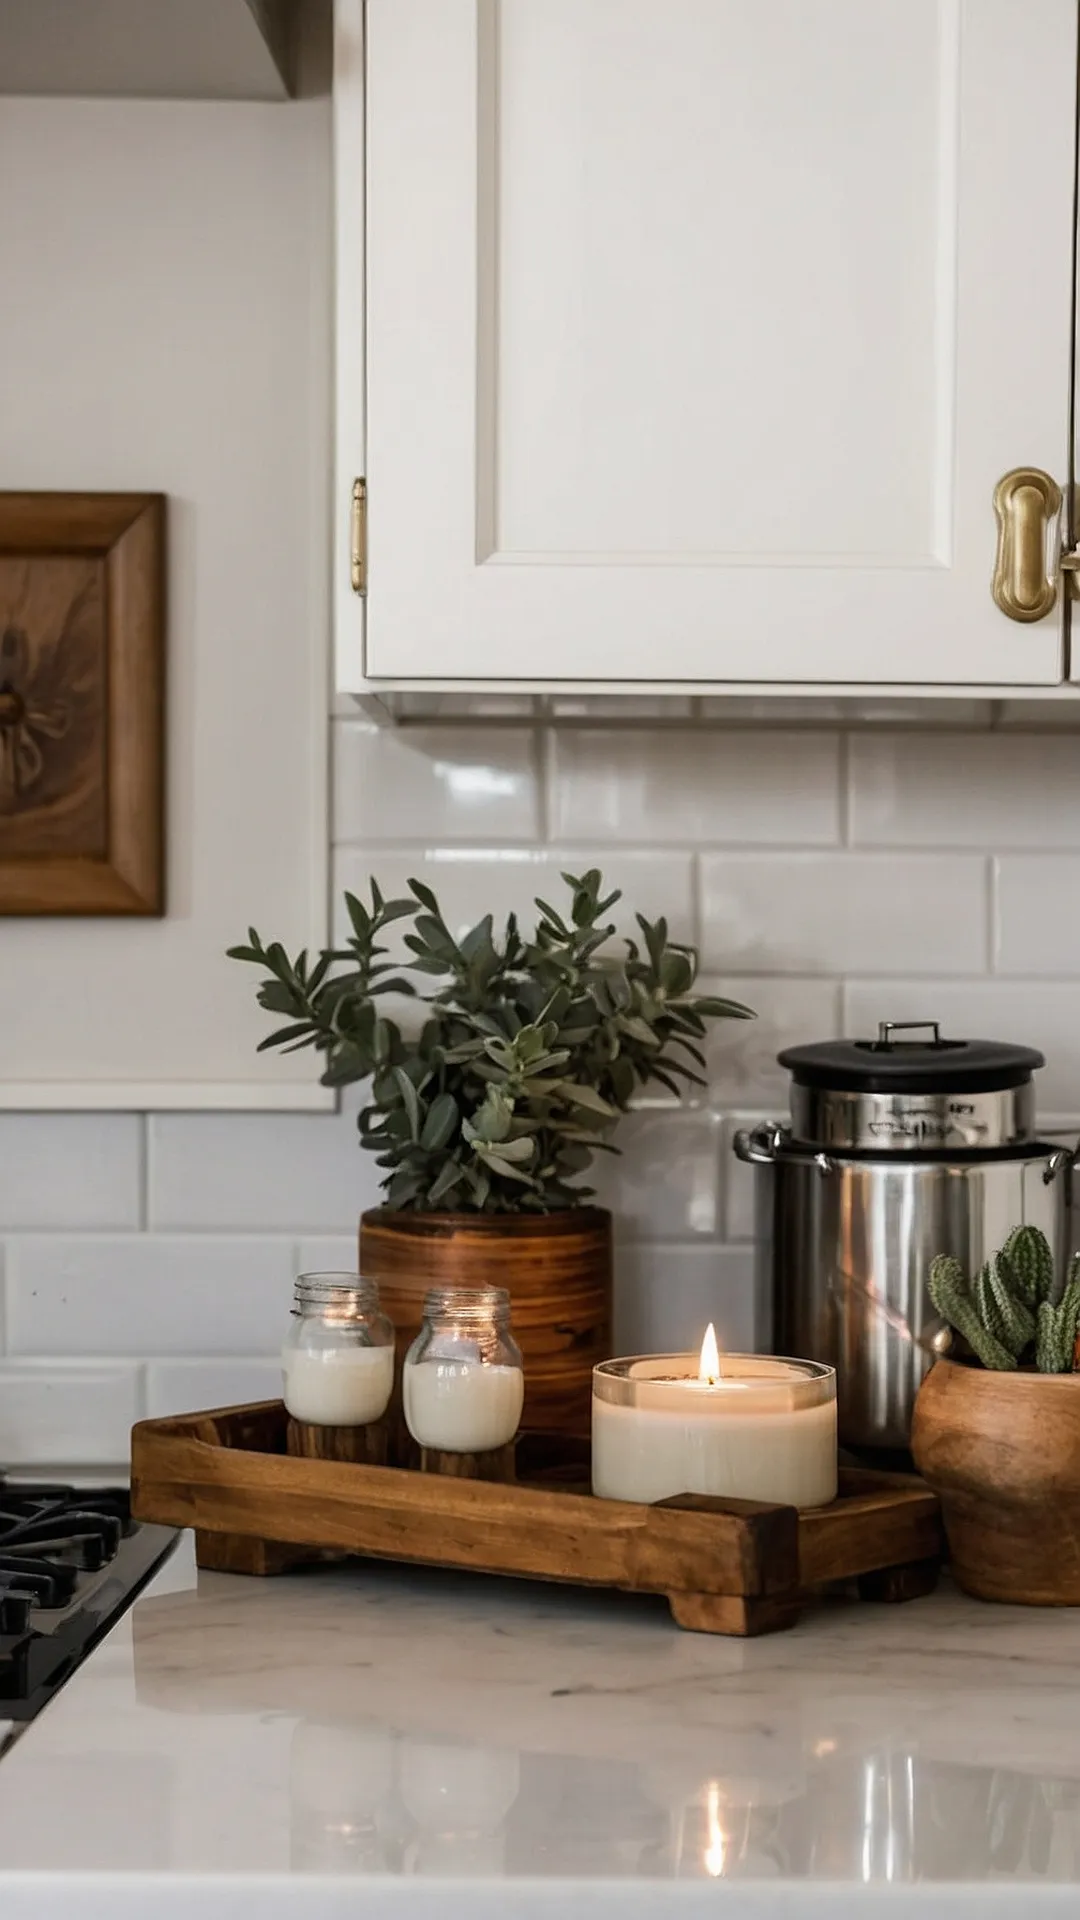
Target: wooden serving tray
725	1566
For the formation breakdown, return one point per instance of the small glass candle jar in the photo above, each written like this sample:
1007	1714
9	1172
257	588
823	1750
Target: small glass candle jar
462	1382
338	1358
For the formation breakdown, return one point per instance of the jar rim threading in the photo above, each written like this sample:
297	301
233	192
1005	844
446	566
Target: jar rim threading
467	1303
340	1288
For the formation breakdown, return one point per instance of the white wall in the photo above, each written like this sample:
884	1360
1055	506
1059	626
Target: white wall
164	302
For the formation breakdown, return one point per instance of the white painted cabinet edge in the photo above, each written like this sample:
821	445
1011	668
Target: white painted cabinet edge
349	372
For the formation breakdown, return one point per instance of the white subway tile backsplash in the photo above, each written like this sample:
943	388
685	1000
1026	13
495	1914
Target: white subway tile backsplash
1037	914
475	881
823	710
327	1253
664	708
1044	1015
70	1170
192	1386
434	783
702	787
664	1184
964	790
844	913
147	1293
463	707
743	1069
665	1297
57	1415
740	1178
1027	715
262	1172
161	1279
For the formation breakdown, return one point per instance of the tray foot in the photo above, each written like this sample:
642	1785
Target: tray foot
893	1584
242	1553
734	1613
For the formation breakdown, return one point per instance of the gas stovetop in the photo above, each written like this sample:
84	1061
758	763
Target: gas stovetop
71	1560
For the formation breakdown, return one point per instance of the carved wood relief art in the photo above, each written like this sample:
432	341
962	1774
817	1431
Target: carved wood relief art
81	703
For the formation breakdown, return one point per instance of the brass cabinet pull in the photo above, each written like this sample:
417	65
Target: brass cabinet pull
1026	502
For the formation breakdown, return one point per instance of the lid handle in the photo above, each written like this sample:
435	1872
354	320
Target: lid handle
886	1029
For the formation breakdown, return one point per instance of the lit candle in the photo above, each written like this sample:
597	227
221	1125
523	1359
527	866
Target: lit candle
749	1428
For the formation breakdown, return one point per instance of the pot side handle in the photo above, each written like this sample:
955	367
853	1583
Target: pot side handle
758	1146
1065	1159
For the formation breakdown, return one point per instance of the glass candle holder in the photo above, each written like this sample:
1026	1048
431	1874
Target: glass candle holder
462	1383
765	1429
338	1358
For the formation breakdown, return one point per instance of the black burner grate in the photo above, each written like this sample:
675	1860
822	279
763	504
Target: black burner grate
71	1560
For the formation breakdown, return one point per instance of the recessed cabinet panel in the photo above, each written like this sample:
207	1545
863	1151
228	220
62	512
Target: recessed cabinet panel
658	311
699	336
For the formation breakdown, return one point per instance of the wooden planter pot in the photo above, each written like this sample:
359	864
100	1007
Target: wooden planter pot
556	1268
1002	1452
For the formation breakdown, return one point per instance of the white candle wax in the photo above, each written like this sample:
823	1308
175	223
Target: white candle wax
736	1438
338	1386
462	1406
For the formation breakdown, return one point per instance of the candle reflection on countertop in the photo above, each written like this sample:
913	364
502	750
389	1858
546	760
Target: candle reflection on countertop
440	1807
373	1721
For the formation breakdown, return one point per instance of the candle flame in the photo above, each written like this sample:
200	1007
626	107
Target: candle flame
716	1851
709	1364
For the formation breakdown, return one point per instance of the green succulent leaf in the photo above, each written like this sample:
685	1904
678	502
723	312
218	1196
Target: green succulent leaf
410	1100
527	1049
440	1122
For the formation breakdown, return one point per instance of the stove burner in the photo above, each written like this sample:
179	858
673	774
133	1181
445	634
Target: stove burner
70	1562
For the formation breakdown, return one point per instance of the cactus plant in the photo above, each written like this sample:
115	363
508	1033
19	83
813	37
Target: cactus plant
1007	1313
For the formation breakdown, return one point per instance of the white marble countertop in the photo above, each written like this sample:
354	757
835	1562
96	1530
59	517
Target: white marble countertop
390	1741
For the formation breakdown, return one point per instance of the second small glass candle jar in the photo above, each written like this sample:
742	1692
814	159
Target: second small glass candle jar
338	1358
462	1384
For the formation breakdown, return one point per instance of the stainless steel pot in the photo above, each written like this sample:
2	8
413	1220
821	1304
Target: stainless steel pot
845	1238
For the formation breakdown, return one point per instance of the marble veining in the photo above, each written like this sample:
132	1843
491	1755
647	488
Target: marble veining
375	1721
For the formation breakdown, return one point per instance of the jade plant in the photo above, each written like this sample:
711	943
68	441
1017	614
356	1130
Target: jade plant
524	1056
1008	1314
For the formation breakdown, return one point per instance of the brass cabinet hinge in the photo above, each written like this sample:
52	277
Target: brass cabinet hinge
358	537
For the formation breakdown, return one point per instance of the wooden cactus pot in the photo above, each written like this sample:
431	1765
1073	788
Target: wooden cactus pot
1002	1452
556	1267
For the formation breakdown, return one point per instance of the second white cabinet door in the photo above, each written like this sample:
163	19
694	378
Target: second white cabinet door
698	335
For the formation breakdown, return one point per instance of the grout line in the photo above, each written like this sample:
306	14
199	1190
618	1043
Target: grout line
481	845
543	758
144	1152
993	896
697	906
844	795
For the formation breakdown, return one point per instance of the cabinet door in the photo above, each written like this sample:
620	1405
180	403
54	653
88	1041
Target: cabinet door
699	335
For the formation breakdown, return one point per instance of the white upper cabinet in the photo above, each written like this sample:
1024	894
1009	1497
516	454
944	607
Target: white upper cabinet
693	339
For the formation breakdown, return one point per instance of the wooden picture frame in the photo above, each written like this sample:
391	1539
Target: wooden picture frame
82	703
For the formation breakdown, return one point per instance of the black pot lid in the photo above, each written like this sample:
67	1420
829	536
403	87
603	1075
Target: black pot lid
925	1062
